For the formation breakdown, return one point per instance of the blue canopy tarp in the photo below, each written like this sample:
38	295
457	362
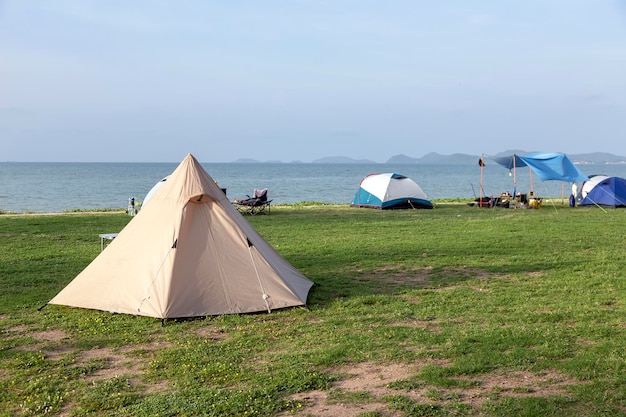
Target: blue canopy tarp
553	166
509	162
547	166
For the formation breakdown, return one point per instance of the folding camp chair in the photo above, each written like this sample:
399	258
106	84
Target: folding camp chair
256	204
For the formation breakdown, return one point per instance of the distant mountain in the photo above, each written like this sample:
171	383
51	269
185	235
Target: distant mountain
434	158
342	160
511	152
454	159
401	159
597	158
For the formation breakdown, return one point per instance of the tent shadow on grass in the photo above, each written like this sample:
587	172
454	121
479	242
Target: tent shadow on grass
387	280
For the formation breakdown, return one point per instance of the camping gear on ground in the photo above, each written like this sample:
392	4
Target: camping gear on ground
256	204
132	207
534	202
610	192
546	165
188	253
481	202
390	191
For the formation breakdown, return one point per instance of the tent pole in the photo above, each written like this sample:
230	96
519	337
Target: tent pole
514	174
480	192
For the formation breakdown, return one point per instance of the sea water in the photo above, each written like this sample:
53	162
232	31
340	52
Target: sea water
57	187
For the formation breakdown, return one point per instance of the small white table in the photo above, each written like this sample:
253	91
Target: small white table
106	236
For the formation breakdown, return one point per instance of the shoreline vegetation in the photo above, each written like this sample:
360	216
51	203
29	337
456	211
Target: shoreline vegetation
113	210
457	311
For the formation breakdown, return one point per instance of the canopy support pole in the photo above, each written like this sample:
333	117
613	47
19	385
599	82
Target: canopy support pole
514	175
482	168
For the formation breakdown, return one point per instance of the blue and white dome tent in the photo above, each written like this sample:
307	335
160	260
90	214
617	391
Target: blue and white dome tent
390	191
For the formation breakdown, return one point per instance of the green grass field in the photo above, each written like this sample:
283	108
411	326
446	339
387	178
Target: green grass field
456	311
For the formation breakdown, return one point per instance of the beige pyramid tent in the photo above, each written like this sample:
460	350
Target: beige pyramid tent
188	253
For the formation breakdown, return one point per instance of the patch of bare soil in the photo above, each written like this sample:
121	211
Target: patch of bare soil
516	384
211	334
390	276
430	324
363	377
54	344
49	342
53	335
119	362
375	380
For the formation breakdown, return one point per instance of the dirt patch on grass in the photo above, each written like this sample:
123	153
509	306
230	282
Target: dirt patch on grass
366	388
211	334
429	324
52	335
19	329
49	342
116	363
497	385
366	378
392	276
99	363
126	361
104	362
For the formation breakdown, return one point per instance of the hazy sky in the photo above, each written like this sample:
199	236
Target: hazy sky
151	80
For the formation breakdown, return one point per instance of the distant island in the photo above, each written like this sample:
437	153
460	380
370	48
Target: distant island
434	158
